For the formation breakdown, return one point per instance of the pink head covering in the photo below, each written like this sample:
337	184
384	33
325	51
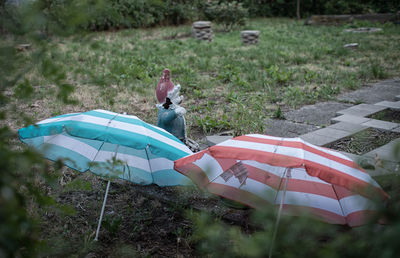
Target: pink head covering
164	86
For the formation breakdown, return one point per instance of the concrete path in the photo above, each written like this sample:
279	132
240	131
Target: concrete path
327	122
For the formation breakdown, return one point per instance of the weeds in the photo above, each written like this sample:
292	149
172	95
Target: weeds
292	63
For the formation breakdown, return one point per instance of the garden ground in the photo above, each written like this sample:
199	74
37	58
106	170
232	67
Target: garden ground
227	86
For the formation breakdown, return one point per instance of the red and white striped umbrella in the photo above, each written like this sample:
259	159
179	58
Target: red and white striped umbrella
258	169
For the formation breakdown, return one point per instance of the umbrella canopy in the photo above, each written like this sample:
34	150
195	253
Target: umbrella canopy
90	140
258	169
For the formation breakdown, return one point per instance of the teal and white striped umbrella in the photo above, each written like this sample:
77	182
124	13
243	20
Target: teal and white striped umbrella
90	141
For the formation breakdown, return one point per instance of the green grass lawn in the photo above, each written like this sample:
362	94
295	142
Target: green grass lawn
226	85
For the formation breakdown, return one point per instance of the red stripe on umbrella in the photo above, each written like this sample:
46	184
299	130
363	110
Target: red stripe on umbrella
300	144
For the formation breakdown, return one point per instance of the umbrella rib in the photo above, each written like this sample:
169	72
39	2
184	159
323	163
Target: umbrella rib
151	170
340	205
280	184
98	152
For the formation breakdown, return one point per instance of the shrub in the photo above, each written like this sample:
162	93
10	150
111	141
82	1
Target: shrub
229	14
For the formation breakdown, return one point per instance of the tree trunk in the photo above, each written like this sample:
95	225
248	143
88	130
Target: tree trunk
298	9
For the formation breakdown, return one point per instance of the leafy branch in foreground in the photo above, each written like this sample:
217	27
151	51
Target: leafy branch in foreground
21	171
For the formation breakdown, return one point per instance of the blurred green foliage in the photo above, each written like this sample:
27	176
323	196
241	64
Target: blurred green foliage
24	175
228	13
270	8
302	236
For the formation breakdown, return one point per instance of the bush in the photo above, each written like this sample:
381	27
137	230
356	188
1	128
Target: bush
267	8
180	12
229	14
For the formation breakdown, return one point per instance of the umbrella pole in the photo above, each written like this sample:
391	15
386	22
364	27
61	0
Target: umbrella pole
102	211
287	175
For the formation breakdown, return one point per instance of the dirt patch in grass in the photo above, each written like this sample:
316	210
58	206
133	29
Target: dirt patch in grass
364	141
139	221
390	115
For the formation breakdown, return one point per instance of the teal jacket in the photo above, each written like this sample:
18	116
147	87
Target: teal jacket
171	122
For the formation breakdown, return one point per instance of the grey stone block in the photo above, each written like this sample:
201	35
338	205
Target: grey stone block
397	98
250	32
380	124
332	133
389	104
384	90
215	139
348	127
317	139
371	166
318	114
391	145
350	119
201	24
382	154
361	110
396	130
284	128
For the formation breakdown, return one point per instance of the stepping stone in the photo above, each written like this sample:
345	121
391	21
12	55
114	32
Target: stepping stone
380	124
361	110
383	154
350	119
218	138
396	130
348	127
369	164
389	104
316	139
285	128
317	114
384	90
332	133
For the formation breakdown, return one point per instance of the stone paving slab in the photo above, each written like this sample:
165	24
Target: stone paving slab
348	127
391	145
385	152
369	164
384	90
215	139
332	133
317	139
380	124
350	119
382	154
284	128
361	110
389	104
318	114
308	120
396	130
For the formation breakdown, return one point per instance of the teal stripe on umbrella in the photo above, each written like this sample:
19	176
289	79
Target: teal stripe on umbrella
90	141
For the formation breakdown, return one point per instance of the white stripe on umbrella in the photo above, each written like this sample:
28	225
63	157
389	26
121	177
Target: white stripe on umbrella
132	161
355	203
74	145
210	167
311	201
159	164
